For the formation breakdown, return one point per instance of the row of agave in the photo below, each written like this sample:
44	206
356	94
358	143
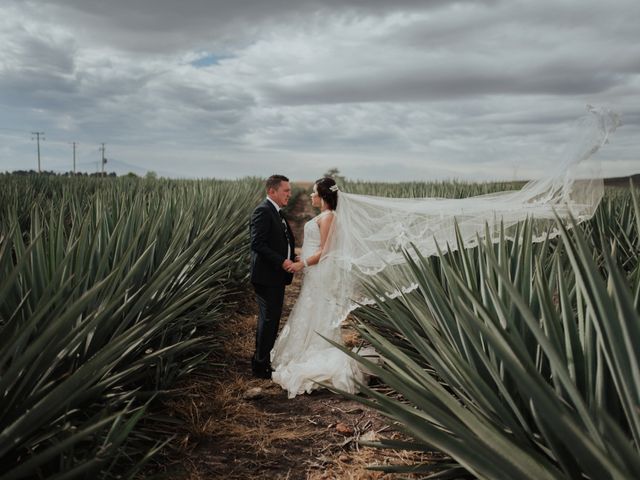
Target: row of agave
443	188
517	359
110	290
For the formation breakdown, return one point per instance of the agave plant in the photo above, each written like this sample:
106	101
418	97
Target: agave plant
518	360
104	302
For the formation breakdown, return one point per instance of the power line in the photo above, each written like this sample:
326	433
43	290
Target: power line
14	130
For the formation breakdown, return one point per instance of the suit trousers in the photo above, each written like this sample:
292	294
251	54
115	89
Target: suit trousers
270	300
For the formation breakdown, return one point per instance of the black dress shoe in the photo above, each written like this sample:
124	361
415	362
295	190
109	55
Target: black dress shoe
263	374
260	370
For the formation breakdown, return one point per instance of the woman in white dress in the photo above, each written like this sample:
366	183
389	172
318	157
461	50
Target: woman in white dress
301	357
366	235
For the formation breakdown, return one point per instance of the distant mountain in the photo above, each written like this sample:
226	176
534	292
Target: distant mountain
622	181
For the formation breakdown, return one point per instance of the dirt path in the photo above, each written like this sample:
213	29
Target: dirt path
230	436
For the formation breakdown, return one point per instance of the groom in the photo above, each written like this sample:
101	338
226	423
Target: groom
272	246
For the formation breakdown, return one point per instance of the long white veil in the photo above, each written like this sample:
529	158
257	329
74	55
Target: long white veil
370	234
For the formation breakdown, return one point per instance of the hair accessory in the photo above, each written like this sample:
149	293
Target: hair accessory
334	188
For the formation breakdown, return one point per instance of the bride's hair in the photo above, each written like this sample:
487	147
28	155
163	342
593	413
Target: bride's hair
324	190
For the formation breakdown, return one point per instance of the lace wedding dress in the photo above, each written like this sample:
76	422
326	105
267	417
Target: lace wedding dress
300	356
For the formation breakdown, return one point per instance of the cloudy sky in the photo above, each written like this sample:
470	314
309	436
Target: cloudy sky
380	89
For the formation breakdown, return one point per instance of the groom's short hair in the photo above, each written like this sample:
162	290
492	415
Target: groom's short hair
274	181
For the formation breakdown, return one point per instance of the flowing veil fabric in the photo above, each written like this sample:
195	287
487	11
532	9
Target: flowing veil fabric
371	234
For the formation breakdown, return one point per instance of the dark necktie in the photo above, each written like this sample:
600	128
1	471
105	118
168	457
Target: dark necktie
284	225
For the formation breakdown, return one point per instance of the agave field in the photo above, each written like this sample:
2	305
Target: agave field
516	359
110	290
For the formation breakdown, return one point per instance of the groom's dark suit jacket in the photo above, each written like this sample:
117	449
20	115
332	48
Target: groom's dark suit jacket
269	246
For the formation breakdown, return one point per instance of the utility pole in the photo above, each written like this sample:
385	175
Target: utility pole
74	157
104	160
37	139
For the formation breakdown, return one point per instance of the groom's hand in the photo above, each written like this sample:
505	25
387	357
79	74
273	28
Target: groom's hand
286	265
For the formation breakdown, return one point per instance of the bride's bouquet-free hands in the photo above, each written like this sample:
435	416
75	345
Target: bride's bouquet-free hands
296	266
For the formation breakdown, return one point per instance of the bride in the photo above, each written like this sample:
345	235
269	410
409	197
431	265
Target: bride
301	357
357	236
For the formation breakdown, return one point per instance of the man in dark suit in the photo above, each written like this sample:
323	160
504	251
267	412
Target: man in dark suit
272	253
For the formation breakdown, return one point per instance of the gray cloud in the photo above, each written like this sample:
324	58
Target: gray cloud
441	84
161	26
406	89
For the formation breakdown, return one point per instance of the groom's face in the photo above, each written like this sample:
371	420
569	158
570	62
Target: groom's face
281	194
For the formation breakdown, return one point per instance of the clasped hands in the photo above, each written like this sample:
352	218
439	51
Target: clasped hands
293	267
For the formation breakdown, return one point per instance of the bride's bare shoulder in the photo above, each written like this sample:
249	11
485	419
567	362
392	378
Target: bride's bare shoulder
325	218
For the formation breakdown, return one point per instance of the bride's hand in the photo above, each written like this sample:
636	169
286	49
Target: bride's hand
298	259
296	267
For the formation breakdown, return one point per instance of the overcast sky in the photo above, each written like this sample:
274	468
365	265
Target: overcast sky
380	89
